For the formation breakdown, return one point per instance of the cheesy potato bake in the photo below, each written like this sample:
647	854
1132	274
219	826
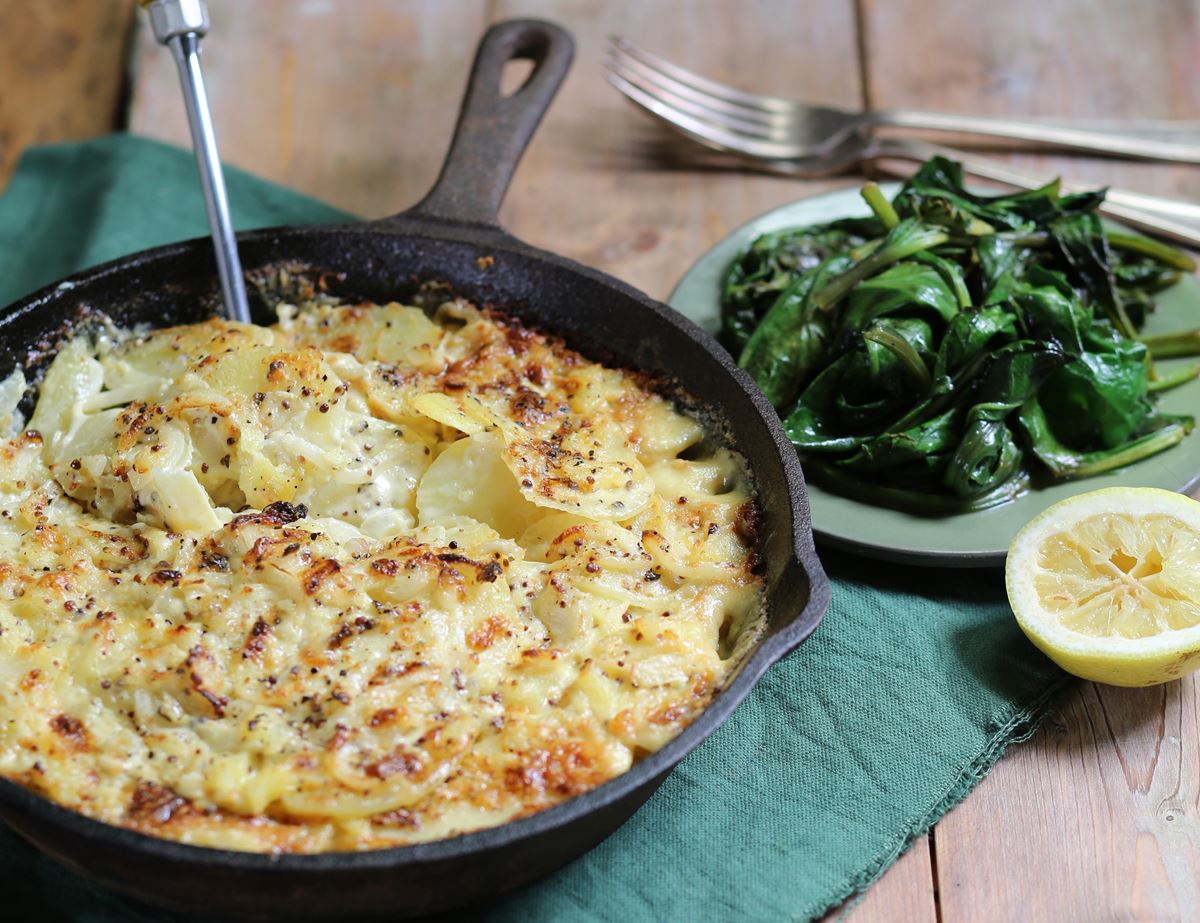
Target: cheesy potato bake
368	577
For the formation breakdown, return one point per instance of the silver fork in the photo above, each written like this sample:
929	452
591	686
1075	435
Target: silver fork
706	119
773	127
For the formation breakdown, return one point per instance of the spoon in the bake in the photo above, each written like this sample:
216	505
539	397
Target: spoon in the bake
179	24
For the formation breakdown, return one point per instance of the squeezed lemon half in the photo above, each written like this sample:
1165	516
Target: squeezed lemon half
1107	584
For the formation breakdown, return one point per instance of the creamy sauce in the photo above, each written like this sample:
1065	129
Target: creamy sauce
360	579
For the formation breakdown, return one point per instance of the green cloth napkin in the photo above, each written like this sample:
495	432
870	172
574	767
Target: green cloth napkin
842	755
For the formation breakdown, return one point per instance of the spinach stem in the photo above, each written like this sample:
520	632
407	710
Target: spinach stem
1067	465
903	350
1174	379
921	238
866	249
880	205
1135	243
979	228
1026	238
1174	345
1120	318
1098	462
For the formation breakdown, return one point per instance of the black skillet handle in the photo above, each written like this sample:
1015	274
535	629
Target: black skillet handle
493	129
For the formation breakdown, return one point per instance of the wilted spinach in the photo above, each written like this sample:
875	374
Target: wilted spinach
945	352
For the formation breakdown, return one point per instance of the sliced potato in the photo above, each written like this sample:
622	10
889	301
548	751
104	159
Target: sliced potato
471	479
580	475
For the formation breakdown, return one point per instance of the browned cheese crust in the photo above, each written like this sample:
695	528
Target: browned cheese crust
364	578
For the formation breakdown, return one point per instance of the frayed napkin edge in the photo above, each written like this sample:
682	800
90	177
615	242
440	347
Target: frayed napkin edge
1018	727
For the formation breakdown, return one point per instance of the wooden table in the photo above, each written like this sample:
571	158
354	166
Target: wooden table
1098	817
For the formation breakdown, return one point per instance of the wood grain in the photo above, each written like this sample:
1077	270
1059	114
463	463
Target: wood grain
61	72
606	185
905	892
365	127
352	103
1095	819
1094	59
1098	817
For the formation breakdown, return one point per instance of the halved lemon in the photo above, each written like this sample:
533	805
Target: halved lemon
1107	584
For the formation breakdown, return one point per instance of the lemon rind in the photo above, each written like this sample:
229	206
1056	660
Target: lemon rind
1113	659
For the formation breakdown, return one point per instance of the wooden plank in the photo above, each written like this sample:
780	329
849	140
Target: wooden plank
1092	59
1097	817
67	59
365	127
606	185
354	106
905	892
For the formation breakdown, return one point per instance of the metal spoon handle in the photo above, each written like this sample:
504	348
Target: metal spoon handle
179	24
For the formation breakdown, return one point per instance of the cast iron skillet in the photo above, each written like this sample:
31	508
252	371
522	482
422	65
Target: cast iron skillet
445	238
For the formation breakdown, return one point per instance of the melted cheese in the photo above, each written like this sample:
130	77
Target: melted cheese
360	579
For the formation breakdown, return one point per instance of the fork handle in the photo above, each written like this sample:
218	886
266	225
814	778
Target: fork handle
1163	142
1150	214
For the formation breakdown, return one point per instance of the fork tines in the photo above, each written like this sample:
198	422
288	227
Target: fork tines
713	113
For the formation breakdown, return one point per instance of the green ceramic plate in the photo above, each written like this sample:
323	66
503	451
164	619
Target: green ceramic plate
968	539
